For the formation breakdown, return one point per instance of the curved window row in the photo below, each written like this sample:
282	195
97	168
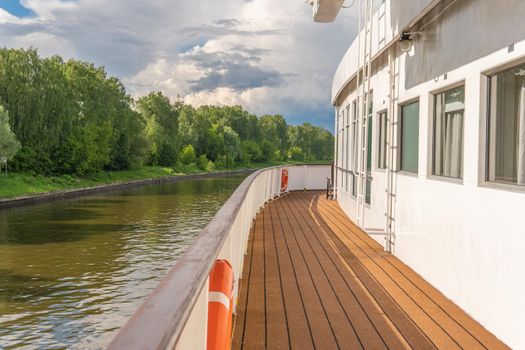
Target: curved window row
504	144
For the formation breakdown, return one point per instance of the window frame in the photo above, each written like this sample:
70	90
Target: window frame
347	148
487	105
369	116
355	147
344	142
379	125
432	134
400	136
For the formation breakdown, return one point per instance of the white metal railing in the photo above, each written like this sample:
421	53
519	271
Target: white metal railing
175	314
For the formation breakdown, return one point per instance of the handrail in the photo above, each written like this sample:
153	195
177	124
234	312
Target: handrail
162	318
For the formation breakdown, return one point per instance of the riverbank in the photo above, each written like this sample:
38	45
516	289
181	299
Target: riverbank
25	187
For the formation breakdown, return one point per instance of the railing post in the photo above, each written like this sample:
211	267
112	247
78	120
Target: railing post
305	174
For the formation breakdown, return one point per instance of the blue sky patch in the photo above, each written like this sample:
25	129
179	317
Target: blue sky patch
15	8
186	48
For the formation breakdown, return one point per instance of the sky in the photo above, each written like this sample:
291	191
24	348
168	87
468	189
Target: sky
266	55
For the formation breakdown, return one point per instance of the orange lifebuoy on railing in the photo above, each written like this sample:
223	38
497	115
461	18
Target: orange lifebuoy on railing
220	306
284	180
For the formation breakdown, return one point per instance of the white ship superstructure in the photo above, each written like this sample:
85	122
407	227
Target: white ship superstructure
430	146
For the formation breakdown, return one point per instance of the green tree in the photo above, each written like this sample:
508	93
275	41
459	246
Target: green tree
162	125
242	122
9	145
232	145
71	117
187	155
268	150
202	162
295	153
315	142
274	129
250	152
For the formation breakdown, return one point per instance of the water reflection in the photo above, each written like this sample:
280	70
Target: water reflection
72	272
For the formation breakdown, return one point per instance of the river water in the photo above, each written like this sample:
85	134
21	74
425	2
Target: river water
72	272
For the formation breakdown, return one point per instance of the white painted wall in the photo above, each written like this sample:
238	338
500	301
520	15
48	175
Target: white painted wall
465	238
308	177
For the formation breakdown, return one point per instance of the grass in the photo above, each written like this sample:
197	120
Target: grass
16	185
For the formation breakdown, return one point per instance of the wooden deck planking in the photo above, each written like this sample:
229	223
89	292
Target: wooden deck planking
347	302
275	308
320	328
243	298
297	324
466	332
407	330
372	330
256	308
312	279
342	329
486	339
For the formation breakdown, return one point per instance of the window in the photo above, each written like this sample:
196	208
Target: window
449	108
410	137
381	155
506	158
368	195
355	147
347	150
339	143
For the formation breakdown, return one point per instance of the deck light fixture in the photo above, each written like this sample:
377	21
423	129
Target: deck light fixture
406	42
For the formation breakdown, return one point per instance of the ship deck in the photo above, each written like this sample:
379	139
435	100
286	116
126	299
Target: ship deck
313	280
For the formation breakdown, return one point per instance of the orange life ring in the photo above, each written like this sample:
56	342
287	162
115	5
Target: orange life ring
220	306
284	180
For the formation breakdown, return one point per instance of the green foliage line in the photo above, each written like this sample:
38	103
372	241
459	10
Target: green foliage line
71	118
23	184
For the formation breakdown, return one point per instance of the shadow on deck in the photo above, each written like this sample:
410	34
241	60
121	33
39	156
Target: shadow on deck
313	280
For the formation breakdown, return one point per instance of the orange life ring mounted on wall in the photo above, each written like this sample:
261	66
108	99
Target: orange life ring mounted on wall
284	180
220	306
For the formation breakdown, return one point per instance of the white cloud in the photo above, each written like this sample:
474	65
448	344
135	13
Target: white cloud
48	44
267	55
46	9
6	17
